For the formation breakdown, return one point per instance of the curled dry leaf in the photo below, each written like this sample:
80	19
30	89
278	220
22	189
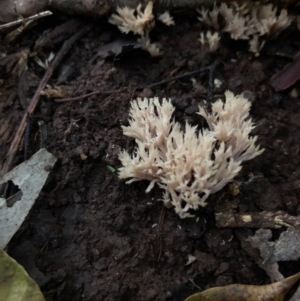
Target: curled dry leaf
240	292
55	92
287	76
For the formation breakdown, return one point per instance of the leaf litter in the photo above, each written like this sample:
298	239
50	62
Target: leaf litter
239	292
115	220
285	248
15	284
30	177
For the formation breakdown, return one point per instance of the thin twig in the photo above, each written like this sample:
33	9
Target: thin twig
90	94
159	230
23	20
43	133
211	84
35	99
27	138
195	285
179	76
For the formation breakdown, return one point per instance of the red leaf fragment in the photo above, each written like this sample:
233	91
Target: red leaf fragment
287	76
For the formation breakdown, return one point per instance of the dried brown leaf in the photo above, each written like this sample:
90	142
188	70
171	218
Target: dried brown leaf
240	292
55	92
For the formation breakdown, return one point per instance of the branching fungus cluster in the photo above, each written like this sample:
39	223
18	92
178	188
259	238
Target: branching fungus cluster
188	165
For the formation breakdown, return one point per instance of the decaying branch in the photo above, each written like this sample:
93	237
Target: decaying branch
11	10
264	219
29	19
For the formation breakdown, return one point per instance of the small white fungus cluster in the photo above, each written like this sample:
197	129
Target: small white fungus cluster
141	23
250	21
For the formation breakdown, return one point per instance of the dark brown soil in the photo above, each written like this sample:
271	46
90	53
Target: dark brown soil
92	237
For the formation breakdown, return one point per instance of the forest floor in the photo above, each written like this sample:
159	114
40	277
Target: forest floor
92	237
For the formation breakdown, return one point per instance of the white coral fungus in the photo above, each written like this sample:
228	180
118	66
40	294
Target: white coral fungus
133	19
187	165
210	41
166	19
138	22
247	21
